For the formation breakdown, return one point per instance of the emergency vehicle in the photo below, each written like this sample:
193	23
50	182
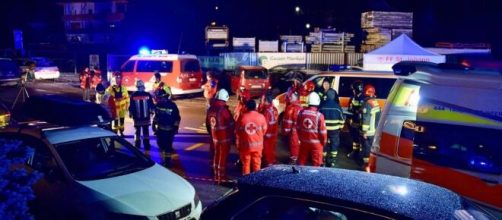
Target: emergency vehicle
444	127
341	82
181	72
254	79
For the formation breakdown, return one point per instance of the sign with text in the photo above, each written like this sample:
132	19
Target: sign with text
269	60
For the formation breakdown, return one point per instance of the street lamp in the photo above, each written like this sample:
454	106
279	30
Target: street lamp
307	26
216	8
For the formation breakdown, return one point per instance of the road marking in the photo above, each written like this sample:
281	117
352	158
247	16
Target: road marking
198	130
195	146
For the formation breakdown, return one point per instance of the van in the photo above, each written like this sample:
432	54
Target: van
444	127
341	82
254	79
181	72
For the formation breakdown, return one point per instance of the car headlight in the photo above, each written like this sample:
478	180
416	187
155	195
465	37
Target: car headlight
196	200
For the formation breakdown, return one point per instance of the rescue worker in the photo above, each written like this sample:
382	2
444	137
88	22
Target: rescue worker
140	109
119	104
240	108
210	87
271	115
250	133
95	81
355	107
100	92
165	125
311	132
222	129
370	115
304	92
85	84
159	85
334	119
289	126
294	88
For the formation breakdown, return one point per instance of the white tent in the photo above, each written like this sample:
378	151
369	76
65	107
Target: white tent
400	49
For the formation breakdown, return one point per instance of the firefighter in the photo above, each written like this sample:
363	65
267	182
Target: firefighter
370	115
85	84
271	115
165	125
251	131
334	119
289	126
140	109
210	87
311	132
159	85
222	126
355	105
119	104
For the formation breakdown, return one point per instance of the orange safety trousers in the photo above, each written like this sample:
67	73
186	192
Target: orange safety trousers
312	152
251	161
269	144
221	151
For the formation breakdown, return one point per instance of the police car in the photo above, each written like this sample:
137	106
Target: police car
89	172
286	192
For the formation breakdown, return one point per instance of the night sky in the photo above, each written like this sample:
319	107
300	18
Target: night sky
162	23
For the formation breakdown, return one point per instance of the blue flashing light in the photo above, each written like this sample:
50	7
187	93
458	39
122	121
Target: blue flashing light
144	51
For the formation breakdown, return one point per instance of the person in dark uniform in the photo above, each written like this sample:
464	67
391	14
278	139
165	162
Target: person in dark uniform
140	108
166	124
334	119
355	107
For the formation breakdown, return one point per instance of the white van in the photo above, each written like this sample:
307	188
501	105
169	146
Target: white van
443	127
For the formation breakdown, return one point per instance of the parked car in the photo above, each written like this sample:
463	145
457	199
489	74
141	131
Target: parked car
443	125
91	173
254	79
10	73
45	68
296	192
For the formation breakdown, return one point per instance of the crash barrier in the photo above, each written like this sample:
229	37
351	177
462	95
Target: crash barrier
228	61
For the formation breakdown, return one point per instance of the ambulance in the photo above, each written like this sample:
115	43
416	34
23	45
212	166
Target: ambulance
444	127
181	72
341	82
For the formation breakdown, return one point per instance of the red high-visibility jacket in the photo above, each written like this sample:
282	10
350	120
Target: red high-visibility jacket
221	122
271	116
290	116
251	131
311	127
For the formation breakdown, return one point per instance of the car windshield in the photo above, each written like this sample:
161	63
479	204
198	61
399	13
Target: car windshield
103	157
255	74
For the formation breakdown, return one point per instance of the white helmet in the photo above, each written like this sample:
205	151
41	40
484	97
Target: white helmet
222	95
314	99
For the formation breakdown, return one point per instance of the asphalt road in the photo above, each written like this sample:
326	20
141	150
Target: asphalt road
191	143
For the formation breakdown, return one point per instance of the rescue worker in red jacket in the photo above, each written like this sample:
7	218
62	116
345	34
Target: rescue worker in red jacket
355	107
294	88
140	109
272	116
311	132
305	91
222	129
210	87
289	126
370	115
251	131
240	108
119	104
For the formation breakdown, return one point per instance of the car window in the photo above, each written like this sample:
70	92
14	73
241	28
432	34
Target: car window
190	66
278	208
129	66
255	74
39	156
382	85
99	158
152	66
466	148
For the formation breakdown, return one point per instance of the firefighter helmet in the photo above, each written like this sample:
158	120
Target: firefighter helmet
357	86
140	83
314	99
222	95
369	90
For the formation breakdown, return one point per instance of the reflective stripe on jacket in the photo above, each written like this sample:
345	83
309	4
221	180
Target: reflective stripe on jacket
271	116
311	127
370	116
333	115
290	117
221	123
251	131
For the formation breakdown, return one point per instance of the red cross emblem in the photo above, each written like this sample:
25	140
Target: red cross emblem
250	128
307	123
212	121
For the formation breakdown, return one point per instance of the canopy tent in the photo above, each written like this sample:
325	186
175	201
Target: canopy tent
400	49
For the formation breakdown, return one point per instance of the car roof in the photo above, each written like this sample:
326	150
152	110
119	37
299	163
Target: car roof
474	79
57	136
397	195
163	57
359	74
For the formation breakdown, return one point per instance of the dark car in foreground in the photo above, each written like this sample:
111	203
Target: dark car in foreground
287	192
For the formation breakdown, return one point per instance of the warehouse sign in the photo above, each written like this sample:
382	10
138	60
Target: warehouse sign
216	33
269	60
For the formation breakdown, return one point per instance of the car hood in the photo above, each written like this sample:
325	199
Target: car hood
149	192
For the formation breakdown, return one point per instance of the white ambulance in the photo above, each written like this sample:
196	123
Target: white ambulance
444	127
